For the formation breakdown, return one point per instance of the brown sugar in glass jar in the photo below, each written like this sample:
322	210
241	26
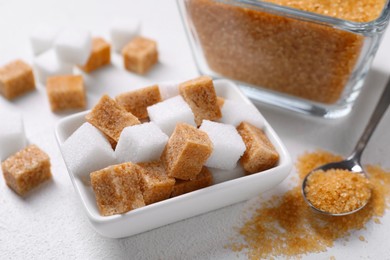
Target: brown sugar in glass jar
307	56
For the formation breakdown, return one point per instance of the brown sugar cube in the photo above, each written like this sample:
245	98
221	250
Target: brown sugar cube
137	101
260	154
202	180
100	55
66	92
187	150
140	55
200	95
117	189
26	169
156	185
16	78
110	118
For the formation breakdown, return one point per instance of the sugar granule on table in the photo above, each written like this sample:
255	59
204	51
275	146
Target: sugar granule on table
286	226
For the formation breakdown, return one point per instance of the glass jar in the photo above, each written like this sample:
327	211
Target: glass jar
295	59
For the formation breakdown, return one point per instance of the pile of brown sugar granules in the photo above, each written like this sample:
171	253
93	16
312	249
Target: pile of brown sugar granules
337	191
286	226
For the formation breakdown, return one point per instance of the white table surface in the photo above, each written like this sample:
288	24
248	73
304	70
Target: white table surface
50	222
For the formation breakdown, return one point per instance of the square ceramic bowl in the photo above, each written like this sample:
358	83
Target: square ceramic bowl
230	186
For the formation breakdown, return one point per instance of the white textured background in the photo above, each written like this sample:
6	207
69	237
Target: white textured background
50	223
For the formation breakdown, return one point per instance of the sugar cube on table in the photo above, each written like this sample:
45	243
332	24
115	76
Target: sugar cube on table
140	54
186	152
100	55
26	169
156	185
16	79
234	113
87	150
140	143
66	92
47	64
73	46
169	89
260	154
138	100
200	95
168	113
227	145
202	180
42	38
110	118
12	136
117	189
123	31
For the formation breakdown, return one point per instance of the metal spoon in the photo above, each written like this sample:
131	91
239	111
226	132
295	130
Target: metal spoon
352	163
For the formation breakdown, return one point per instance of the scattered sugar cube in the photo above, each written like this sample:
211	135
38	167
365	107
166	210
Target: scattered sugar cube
168	113
138	100
73	46
202	180
140	143
186	152
156	185
117	189
42	38
140	55
16	79
12	137
26	169
99	56
110	118
227	145
169	89
260	154
66	92
233	113
200	95
47	64
87	150
123	31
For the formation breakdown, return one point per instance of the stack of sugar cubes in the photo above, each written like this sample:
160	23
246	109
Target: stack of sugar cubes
186	130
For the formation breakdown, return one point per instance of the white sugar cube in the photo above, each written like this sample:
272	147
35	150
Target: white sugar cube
87	150
42	38
12	136
233	113
228	145
47	64
74	46
123	31
140	143
168	89
168	113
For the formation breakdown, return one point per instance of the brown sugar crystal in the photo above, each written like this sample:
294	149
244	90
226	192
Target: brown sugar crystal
140	55
26	169
110	118
260	154
66	92
137	101
337	191
200	95
202	180
292	56
117	189
286	226
16	78
99	57
186	151
156	185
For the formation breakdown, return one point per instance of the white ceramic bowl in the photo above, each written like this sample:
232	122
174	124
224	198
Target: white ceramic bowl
230	186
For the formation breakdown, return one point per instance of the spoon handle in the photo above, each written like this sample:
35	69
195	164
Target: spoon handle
376	116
